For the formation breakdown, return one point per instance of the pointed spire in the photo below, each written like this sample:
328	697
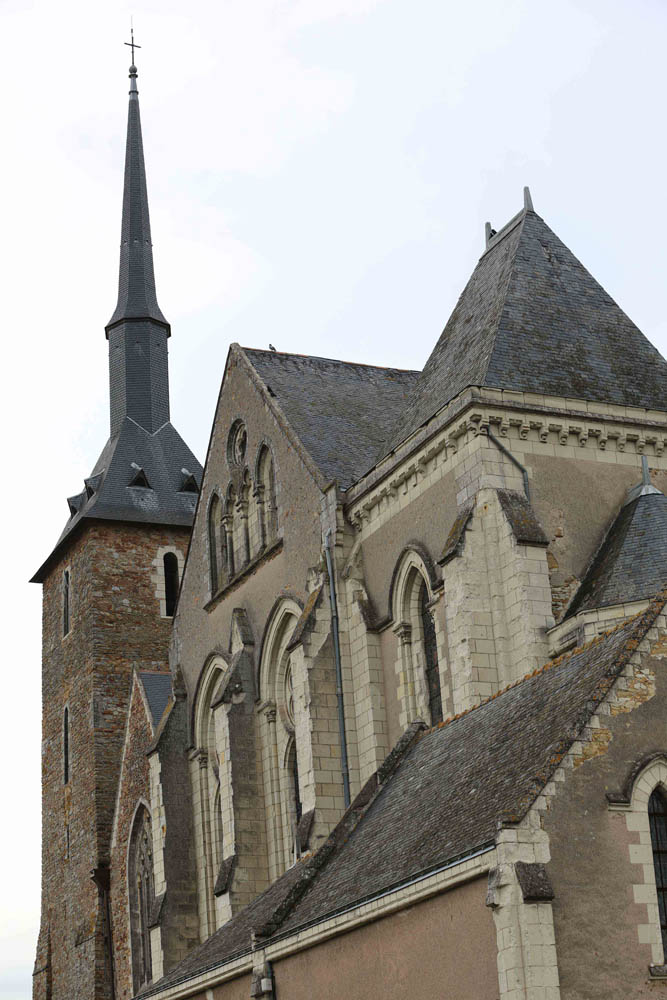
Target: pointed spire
136	283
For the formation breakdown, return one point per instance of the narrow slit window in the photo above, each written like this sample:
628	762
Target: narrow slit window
66	602
66	747
657	812
170	583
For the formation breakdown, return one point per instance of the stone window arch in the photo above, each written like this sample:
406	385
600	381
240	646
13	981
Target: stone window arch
141	896
418	669
266	495
280	747
206	791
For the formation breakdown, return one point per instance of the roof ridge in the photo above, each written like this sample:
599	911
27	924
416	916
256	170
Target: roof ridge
336	361
651	612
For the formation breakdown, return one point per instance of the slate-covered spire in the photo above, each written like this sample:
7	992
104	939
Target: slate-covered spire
137	332
136	283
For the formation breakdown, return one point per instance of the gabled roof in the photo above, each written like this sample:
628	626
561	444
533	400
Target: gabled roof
161	457
340	411
437	798
157	688
631	563
532	319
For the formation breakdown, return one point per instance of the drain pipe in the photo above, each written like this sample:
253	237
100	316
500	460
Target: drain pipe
339	671
522	469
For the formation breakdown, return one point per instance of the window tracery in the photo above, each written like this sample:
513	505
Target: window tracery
657	812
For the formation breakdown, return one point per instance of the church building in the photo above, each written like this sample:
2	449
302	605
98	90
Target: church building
374	704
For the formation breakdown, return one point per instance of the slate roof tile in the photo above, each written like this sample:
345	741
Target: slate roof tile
157	688
341	411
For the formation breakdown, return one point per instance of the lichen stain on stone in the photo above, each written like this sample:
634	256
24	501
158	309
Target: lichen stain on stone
659	648
595	747
640	689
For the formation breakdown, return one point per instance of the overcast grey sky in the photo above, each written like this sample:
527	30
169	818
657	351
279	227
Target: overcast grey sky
319	175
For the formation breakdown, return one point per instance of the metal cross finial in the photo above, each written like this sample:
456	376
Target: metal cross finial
133	45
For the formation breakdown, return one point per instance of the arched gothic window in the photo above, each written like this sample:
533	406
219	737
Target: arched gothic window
66	602
430	656
657	812
216	544
170	563
418	669
230	523
207	794
266	497
281	762
66	746
141	896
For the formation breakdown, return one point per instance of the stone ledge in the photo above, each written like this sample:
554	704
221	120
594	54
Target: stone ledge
268	553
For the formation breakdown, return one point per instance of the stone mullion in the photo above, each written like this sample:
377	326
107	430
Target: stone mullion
404	670
261	515
272	783
228	532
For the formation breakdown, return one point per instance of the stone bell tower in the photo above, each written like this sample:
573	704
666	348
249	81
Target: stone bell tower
109	587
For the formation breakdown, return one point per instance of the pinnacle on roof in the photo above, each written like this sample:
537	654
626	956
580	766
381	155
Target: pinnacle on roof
137	298
532	319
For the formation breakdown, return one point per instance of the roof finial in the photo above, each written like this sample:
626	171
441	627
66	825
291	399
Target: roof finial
527	200
646	475
133	69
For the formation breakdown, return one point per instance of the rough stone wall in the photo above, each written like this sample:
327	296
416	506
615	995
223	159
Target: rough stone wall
115	626
133	789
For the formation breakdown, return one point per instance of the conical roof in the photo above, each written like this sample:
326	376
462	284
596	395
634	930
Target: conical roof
631	563
532	319
137	298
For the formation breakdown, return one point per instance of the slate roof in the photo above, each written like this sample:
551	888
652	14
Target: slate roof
162	456
631	563
340	411
441	795
532	319
157	688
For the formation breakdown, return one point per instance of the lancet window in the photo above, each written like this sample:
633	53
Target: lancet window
418	669
207	794
265	491
280	748
141	896
657	812
67	596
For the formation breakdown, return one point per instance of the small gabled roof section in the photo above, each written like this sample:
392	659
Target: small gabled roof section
532	319
631	563
138	477
158	691
340	411
189	483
